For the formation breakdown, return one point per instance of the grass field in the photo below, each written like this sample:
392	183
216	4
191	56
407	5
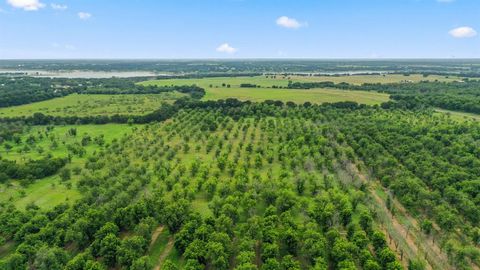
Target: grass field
45	193
297	96
50	191
459	116
217	89
84	105
214	82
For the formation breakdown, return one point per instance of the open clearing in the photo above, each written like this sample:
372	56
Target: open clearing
217	88
89	105
262	81
459	116
297	96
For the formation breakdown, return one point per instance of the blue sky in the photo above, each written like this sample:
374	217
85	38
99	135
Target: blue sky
239	29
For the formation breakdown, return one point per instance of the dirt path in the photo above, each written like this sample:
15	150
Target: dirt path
165	253
155	235
411	235
400	231
258	257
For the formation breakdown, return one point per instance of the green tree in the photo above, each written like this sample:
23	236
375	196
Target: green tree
50	258
426	226
130	250
271	264
108	249
13	262
65	174
141	263
193	265
169	265
417	264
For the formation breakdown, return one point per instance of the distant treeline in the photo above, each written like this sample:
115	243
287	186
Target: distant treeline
461	67
18	91
23	90
310	85
248	85
209	75
8	131
164	112
192	90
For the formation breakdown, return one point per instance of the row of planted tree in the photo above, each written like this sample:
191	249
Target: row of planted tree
270	176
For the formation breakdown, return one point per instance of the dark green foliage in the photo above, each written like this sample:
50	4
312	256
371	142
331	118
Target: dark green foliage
226	205
35	169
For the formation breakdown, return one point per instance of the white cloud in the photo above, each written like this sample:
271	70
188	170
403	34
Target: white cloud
291	23
84	15
28	5
463	32
226	48
58	6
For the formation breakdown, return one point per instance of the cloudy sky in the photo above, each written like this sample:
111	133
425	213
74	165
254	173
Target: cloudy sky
239	29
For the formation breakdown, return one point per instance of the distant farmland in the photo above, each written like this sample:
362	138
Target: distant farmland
229	87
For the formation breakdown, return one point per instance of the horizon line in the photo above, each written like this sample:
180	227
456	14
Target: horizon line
236	59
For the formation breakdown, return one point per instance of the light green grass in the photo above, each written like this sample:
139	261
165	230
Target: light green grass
45	193
158	247
87	105
214	82
200	205
297	96
459	116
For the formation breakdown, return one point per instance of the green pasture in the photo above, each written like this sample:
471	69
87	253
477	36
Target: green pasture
458	116
297	96
88	105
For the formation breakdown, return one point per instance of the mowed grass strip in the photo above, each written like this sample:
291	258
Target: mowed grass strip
91	105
